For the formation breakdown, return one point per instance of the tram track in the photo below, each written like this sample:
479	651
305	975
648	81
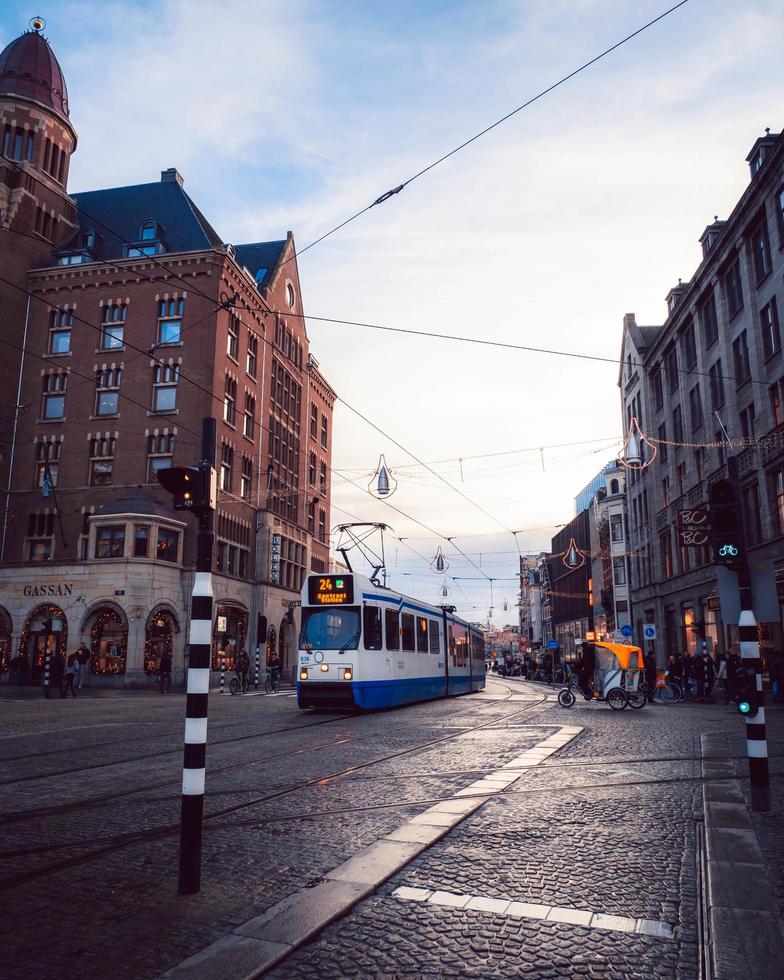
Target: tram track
120	842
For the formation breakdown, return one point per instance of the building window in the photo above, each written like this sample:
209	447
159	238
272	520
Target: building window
110	541
662	443
253	355
40	536
230	400
709	321
227	462
289	295
47	453
733	290
60	323
233	338
740	356
656	387
769	324
671	366
312	469
677	424
776	483
141	541
681	475
699	464
619	571
665	553
760	250
776	392
323	479
160	452
166	549
716	386
748	418
170	320
323	431
246	476
695	408
665	491
312	517
54	388
101	461
322	531
313	422
164	392
616	527
107	395
689	346
250	416
113	326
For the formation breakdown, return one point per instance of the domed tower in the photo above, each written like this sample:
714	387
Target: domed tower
36	215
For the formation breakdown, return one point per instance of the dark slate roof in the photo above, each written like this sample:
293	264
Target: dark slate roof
28	68
136	501
123	209
260	255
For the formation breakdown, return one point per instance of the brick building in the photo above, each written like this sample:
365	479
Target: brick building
713	371
126	319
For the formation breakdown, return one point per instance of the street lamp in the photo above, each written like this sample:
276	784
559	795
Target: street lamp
383	483
439	564
632	453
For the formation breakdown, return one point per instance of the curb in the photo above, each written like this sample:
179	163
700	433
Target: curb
745	937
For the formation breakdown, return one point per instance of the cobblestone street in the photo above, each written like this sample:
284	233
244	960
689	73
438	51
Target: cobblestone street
579	858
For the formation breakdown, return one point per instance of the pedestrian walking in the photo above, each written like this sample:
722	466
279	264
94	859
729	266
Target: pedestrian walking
650	675
273	666
83	660
242	668
56	672
686	673
164	672
69	676
733	663
674	672
698	676
721	673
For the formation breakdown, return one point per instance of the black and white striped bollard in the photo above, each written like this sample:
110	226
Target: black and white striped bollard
756	736
256	670
47	673
222	670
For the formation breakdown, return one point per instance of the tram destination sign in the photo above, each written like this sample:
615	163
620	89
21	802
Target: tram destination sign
331	590
693	527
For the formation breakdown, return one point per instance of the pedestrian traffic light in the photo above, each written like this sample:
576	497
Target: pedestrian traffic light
726	523
191	488
746	694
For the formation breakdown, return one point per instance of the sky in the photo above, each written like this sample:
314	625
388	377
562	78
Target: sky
589	204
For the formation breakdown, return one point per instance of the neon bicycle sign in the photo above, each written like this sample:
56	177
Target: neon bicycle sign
728	551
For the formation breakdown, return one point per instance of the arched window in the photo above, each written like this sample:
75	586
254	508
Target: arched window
148	231
108	642
158	639
45	630
6	632
614	486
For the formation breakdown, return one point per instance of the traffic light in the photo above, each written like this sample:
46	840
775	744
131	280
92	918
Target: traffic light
746	694
191	488
726	524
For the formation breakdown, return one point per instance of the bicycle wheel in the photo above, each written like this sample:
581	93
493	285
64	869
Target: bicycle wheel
617	698
675	693
565	698
267	685
234	686
637	699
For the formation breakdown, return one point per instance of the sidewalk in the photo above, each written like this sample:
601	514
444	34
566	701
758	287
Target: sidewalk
744	858
13	692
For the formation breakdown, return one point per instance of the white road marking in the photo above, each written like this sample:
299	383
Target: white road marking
530	910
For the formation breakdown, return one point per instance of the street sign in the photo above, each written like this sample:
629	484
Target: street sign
693	527
290	603
626	630
649	632
552	644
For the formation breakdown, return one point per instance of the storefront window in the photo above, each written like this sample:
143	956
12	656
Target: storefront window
45	631
690	636
167	544
228	638
108	642
158	639
5	639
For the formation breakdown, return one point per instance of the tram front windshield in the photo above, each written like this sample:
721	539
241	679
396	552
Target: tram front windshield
329	629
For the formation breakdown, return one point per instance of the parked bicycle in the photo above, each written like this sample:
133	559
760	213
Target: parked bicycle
239	683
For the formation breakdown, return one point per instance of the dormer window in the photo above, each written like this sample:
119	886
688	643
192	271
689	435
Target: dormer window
150	241
148	232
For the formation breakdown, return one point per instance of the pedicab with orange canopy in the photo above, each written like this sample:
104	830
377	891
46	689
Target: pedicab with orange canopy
616	678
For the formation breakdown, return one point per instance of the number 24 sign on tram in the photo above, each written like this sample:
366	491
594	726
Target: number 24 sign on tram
693	527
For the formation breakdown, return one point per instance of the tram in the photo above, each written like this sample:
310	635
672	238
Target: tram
364	646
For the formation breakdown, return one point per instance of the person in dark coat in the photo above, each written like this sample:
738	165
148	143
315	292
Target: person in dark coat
650	674
56	669
71	670
164	671
675	671
586	667
686	673
733	663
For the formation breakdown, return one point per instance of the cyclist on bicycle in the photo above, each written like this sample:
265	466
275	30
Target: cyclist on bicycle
242	669
273	666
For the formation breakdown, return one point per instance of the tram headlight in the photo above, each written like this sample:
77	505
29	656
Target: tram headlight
303	674
324	668
347	674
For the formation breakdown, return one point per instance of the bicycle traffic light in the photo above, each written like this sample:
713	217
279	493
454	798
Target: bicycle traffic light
191	488
746	694
726	523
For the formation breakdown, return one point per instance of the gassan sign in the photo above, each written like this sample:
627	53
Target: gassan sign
693	527
47	590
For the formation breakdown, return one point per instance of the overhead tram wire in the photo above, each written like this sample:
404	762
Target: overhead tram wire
529	102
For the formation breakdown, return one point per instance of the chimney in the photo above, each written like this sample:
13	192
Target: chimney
172	174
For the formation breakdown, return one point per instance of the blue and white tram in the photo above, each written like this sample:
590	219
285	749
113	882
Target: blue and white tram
365	646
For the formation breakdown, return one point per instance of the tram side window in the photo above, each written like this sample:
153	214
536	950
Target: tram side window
461	646
451	642
435	645
371	616
392	624
407	632
477	648
421	634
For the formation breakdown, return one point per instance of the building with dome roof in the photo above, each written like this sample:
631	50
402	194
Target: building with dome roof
126	319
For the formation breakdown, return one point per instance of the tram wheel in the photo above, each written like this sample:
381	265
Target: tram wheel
566	698
617	698
637	699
